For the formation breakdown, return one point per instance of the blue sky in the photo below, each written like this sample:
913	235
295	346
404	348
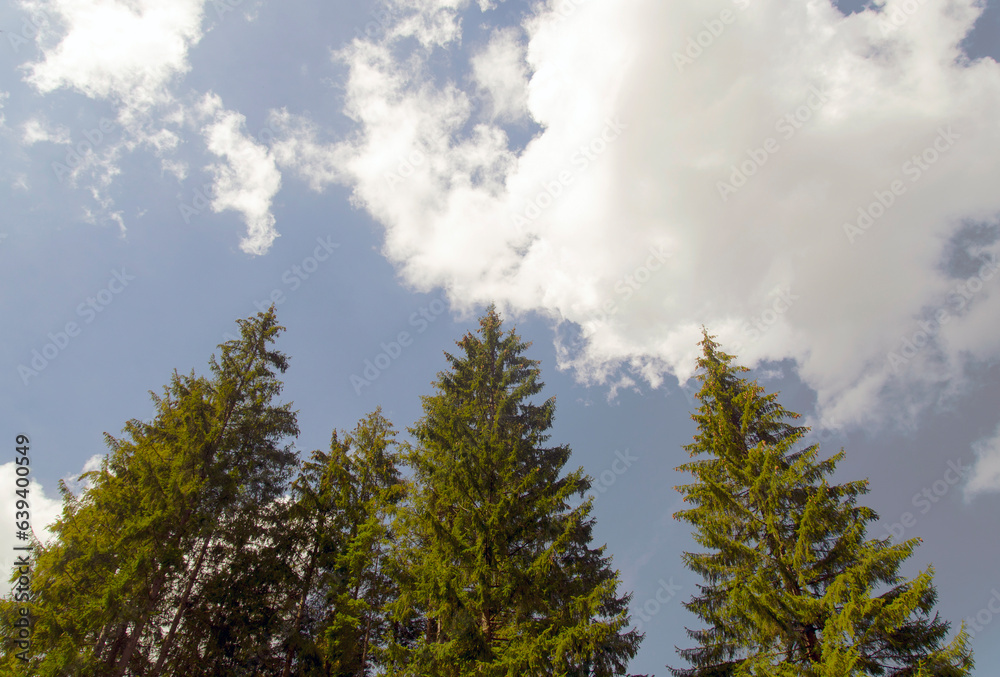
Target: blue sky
814	183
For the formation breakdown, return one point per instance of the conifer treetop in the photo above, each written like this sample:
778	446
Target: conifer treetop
500	570
792	584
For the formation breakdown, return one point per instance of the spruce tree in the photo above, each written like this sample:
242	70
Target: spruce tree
173	506
495	565
343	501
224	615
792	584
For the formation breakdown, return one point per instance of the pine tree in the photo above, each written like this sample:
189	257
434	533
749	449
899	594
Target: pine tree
792	585
135	551
119	546
343	503
495	561
225	614
316	527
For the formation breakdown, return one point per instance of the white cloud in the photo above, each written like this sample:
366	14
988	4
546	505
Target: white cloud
127	52
299	148
43	511
35	131
248	180
500	71
694	164
78	486
986	471
434	23
637	138
176	167
3	97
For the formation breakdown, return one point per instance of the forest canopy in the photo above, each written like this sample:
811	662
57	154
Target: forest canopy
206	544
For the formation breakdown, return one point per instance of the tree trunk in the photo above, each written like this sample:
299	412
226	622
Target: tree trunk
102	639
302	608
368	628
133	640
168	642
116	645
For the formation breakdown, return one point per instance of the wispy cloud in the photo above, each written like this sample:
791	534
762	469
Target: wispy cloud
986	471
248	179
37	131
134	55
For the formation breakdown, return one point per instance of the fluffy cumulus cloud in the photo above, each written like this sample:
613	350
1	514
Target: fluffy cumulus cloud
43	511
806	184
116	49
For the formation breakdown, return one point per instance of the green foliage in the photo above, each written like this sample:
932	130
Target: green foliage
192	552
792	585
494	563
341	520
132	553
230	604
